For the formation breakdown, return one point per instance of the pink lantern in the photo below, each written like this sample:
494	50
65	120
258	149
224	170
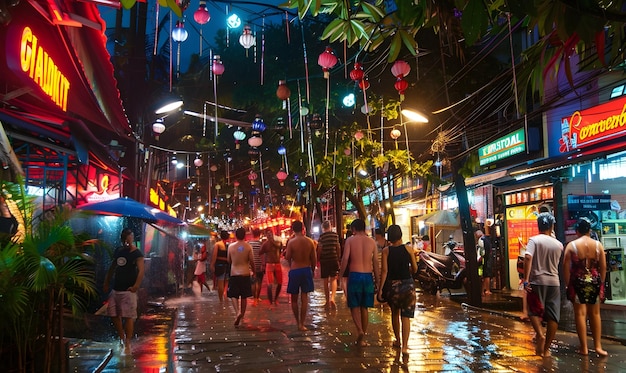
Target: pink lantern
252	176
236	184
255	141
281	176
395	133
347	151
358	135
201	15
218	67
327	60
357	73
198	162
400	69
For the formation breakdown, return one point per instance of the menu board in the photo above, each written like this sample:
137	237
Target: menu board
521	224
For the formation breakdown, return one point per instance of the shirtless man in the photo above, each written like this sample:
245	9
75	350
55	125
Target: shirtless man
360	257
241	260
302	260
273	269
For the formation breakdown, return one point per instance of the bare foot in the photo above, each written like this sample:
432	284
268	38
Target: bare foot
396	344
302	328
541	340
333	305
601	353
238	319
360	341
582	352
547	353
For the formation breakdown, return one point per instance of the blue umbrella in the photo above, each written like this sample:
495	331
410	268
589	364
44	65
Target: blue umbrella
128	207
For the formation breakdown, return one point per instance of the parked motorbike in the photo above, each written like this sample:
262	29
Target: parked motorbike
436	272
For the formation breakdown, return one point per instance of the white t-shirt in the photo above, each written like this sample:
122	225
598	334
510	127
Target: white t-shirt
546	254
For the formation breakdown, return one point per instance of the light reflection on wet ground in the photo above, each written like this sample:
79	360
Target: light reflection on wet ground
445	337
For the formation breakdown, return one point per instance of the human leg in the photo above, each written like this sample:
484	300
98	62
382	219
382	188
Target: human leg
327	292
129	329
580	317
294	308
220	288
119	327
333	291
406	332
395	324
595	322
356	318
304	308
540	338
550	334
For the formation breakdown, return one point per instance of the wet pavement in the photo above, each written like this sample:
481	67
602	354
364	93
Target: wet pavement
195	333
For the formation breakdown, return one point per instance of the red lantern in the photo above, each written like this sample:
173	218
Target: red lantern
401	86
358	135
364	84
283	91
252	176
201	15
281	176
218	67
357	73
236	184
400	69
327	60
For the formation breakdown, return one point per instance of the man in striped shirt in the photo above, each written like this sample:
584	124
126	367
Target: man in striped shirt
259	266
328	254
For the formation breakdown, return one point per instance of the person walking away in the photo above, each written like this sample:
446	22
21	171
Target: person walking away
241	261
200	271
541	282
273	269
584	271
259	269
328	254
360	259
127	268
487	260
300	253
398	267
219	264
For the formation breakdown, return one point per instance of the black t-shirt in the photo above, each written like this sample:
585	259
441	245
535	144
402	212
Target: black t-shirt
126	270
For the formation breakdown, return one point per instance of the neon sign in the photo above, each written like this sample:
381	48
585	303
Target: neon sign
504	147
593	125
41	68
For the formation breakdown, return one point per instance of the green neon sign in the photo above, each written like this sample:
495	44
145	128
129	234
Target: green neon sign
504	147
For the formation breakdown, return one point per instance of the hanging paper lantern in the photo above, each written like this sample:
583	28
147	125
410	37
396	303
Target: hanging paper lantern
281	176
158	128
401	86
253	152
364	84
365	109
213	168
252	176
179	34
357	72
304	111
395	133
198	161
280	123
258	124
400	69
255	141
239	135
358	135
347	151
282	150
327	60
218	66
236	184
246	39
316	122
201	15
283	92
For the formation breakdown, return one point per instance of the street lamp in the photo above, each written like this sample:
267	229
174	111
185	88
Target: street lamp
414	116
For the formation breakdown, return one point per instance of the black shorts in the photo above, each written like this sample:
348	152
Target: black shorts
239	287
329	269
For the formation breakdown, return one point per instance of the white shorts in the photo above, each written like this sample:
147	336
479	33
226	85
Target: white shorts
122	304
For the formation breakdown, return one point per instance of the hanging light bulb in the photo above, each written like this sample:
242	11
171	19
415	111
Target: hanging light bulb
201	15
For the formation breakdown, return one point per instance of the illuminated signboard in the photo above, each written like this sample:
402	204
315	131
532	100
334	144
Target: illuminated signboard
504	147
583	128
42	69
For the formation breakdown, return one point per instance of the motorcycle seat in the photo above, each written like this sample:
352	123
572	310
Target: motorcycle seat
444	259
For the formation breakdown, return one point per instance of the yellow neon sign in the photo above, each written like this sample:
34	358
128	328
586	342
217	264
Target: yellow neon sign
40	67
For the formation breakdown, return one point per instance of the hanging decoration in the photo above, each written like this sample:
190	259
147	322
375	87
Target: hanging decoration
281	175
158	127
258	124
198	161
400	69
327	60
283	92
246	39
218	70
357	73
395	134
239	135
252	176
262	52
282	151
201	16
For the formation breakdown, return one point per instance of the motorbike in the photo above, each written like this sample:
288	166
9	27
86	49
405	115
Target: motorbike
436	272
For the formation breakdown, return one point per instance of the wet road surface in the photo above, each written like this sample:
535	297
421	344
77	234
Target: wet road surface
198	335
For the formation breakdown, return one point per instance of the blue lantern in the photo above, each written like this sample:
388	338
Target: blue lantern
258	124
282	150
